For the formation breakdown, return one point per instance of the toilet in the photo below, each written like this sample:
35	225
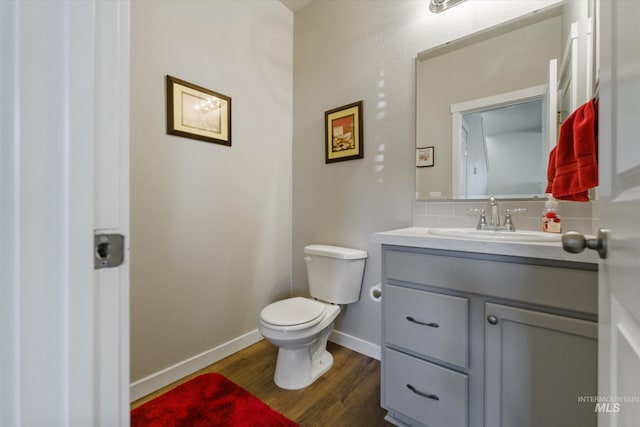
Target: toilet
300	326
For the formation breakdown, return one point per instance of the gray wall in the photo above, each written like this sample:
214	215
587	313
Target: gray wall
210	225
351	50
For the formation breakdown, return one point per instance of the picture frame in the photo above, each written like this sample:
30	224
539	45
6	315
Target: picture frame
425	157
197	113
343	133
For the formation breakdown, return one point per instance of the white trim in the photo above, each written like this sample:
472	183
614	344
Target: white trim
456	154
551	102
187	367
589	59
180	370
111	212
501	99
569	69
356	344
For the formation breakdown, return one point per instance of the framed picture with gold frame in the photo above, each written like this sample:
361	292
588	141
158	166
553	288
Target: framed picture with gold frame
343	133
197	113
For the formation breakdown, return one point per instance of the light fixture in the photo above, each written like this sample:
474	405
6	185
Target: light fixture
437	6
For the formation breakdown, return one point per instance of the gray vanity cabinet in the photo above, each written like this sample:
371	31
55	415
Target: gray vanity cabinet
472	340
537	365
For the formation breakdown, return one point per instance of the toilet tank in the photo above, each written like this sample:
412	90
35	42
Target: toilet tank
335	273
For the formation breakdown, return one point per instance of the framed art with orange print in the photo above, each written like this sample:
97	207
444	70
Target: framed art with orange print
198	113
343	133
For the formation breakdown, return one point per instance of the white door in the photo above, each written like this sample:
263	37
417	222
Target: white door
619	277
63	117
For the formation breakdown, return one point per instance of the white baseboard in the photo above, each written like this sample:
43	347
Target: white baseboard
187	367
356	344
182	369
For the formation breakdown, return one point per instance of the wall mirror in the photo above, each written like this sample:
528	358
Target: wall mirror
490	102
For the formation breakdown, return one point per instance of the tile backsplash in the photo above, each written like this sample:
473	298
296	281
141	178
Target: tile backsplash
575	216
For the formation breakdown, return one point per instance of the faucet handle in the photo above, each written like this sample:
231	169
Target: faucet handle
508	222
482	222
517	210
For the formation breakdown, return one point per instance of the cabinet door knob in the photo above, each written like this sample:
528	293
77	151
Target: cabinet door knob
492	319
423	394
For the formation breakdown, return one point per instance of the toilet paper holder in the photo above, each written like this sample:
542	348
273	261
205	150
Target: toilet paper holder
375	292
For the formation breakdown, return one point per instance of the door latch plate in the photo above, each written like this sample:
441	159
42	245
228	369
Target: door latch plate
108	250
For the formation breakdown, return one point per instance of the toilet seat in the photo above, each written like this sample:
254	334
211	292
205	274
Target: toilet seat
292	314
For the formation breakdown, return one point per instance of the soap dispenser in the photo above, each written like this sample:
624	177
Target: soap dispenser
550	221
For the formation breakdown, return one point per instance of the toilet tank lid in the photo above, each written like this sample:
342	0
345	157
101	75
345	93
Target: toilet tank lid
335	252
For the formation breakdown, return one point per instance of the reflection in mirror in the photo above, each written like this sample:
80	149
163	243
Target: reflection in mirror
507	58
499	148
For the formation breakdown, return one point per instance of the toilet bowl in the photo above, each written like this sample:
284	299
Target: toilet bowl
300	327
302	354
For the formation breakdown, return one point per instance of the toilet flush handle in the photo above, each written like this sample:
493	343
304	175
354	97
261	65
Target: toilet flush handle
308	258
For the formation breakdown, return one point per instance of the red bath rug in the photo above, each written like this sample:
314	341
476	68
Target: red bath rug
206	401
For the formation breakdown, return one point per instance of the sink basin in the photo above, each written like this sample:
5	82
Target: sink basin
507	236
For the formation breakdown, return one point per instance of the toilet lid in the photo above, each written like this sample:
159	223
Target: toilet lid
294	311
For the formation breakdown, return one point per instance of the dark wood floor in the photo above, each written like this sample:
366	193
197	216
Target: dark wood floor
346	395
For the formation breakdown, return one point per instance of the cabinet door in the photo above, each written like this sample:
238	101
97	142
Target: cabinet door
538	368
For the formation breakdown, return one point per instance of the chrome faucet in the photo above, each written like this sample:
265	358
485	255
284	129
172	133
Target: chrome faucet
495	215
494	220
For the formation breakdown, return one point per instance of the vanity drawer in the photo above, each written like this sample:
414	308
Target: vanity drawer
428	323
428	393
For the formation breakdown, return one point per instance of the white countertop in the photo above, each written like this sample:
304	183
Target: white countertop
419	237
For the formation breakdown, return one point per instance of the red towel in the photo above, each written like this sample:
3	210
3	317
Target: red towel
573	163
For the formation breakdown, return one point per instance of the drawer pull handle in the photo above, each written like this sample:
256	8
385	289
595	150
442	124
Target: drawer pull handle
420	393
431	324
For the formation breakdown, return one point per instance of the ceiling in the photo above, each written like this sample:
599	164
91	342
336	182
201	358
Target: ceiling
295	5
524	116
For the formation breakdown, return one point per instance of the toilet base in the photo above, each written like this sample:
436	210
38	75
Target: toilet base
298	368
